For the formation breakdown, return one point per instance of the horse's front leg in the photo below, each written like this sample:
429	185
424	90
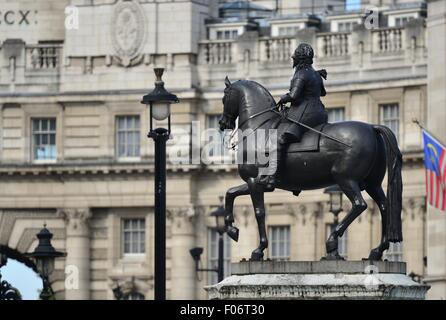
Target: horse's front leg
231	194
258	201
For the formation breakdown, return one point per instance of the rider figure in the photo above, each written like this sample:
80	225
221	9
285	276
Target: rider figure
306	106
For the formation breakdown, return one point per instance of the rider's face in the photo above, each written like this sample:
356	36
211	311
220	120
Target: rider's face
294	62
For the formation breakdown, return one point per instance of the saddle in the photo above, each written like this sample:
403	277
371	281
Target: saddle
309	141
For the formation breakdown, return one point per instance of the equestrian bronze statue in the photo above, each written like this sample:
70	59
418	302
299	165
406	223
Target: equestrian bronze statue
312	154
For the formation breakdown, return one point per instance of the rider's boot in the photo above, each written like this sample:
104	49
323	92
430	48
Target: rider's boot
270	180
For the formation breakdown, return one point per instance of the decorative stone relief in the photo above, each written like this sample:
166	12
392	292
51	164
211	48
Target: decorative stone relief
181	216
128	32
76	220
413	207
306	211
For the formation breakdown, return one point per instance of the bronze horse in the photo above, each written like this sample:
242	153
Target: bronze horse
362	166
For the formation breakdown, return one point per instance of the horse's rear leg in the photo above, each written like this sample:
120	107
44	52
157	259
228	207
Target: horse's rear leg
353	193
378	195
231	194
258	201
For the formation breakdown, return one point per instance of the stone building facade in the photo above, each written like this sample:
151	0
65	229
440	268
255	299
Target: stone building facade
73	146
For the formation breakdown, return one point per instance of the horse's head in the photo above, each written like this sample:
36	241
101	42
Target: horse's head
230	107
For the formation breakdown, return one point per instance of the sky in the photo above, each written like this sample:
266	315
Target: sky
22	278
353	4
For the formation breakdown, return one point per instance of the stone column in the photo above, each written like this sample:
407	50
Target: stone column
436	118
78	252
182	272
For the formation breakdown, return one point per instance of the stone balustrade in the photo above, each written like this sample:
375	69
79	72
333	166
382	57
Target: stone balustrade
43	57
333	44
350	56
216	52
388	40
277	49
327	45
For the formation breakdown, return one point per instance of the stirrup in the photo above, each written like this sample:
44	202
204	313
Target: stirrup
268	180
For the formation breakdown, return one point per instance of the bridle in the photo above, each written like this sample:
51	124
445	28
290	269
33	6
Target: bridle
275	109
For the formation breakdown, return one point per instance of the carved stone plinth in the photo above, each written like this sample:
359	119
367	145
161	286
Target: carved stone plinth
304	280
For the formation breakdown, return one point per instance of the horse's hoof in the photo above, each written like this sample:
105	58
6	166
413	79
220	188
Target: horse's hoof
331	246
256	256
233	233
296	192
375	255
333	256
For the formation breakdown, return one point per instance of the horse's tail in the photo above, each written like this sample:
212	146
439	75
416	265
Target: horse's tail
394	184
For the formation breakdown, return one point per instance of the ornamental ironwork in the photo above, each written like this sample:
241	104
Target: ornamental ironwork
8	292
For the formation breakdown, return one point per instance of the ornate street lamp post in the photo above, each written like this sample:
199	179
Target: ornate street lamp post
44	255
220	226
219	215
335	202
159	101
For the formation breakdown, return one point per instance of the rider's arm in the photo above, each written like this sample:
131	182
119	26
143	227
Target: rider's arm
323	92
297	86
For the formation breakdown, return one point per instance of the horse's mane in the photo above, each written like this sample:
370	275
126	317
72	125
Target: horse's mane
254	86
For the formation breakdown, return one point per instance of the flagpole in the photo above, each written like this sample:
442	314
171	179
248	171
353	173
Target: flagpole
415	120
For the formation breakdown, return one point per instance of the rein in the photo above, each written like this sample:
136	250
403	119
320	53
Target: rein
273	109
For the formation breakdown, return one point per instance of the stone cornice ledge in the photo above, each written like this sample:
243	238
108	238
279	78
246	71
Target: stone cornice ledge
55	169
98	168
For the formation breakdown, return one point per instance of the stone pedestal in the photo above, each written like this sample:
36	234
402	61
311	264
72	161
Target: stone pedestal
301	280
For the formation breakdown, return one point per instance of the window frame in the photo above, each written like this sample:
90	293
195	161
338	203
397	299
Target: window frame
334	110
32	133
287	248
383	121
224	156
122	236
212	262
127	131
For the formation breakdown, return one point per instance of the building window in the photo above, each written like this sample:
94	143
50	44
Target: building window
346	26
216	138
335	114
390	117
395	252
288	31
342	241
279	248
213	237
212	121
127	136
227	34
134	296
44	139
401	21
133	236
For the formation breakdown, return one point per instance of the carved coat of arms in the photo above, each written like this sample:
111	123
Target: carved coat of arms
127	32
